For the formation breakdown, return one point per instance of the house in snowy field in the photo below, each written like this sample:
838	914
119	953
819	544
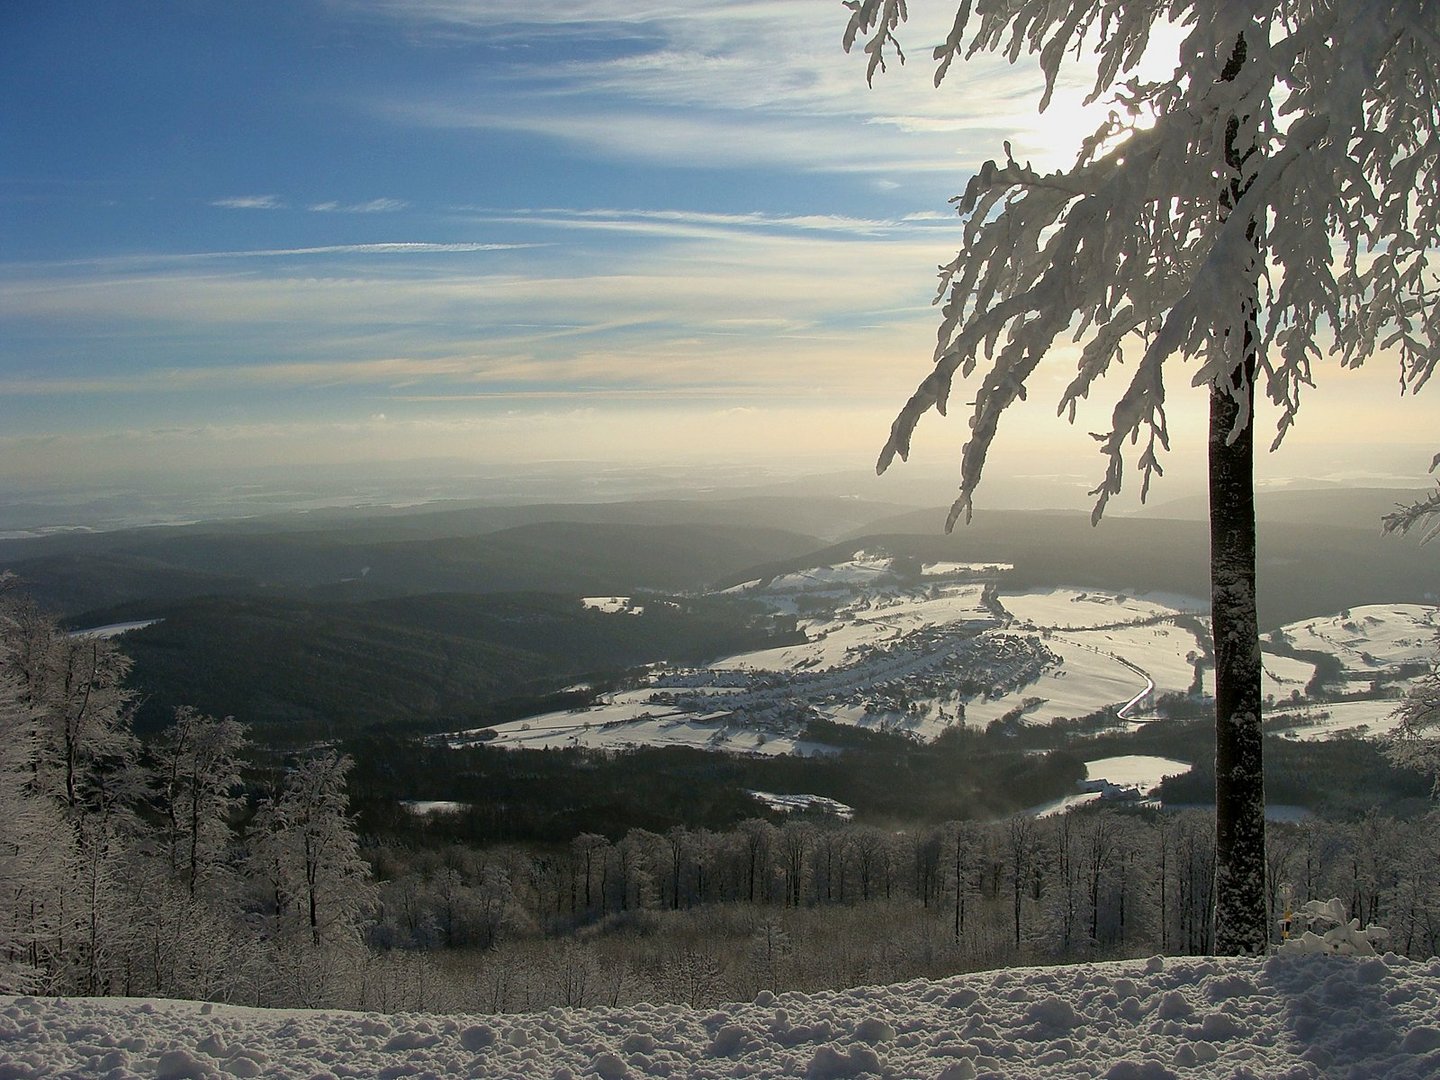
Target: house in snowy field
1109	791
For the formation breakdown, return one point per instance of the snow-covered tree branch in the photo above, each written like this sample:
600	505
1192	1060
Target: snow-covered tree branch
1424	513
1128	250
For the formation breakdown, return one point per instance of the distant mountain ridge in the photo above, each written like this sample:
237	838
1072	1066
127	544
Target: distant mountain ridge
557	556
1315	569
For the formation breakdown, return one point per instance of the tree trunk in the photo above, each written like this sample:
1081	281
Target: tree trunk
1240	927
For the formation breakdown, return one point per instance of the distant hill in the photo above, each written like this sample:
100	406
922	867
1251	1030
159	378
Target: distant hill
1347	507
826	516
1304	570
556	556
304	669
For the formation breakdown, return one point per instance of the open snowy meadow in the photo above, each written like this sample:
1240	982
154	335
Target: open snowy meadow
1106	650
1282	1018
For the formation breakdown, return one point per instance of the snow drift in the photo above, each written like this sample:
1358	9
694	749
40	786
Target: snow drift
1280	1018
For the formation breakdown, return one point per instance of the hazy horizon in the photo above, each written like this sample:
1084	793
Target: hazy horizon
127	499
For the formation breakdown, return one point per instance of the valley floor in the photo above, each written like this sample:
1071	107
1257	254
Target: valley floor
1283	1017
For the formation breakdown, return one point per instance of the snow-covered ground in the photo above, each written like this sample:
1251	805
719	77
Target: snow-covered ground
1373	637
952	569
426	807
112	630
1163	651
611	605
1080	608
632	719
832	644
1140	771
790	803
1087	680
1280	677
1283	1018
1326	720
863	569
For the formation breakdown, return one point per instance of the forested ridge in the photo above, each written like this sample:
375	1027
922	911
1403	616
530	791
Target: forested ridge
308	667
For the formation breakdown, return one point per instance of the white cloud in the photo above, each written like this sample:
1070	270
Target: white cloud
373	206
181	258
250	202
756	283
720	85
746	83
690	224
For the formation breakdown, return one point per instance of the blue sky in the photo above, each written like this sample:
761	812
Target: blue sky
330	230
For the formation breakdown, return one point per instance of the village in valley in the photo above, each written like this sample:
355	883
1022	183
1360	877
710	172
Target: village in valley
901	646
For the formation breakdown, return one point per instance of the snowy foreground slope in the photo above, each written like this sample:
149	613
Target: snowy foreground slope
1292	1016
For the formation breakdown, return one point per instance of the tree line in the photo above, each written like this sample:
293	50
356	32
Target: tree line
828	903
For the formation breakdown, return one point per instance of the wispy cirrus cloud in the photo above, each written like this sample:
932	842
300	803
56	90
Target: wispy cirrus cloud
716	268
371	206
396	372
250	202
697	224
138	260
739	84
328	206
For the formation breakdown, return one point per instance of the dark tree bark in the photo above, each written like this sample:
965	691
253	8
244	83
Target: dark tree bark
1240	927
1240	923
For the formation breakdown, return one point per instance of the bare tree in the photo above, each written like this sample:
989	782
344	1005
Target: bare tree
304	853
199	770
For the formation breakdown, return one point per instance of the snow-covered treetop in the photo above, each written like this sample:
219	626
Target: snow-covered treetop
1156	239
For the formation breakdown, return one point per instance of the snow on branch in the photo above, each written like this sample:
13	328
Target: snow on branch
1160	234
1424	513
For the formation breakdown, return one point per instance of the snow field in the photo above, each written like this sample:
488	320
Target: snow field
1282	1018
1062	608
1160	650
1141	771
1328	719
1372	637
863	569
1087	680
789	803
631	719
927	727
615	727
425	807
1064	804
953	604
832	644
950	569
867	624
1113	646
611	605
114	630
1280	676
